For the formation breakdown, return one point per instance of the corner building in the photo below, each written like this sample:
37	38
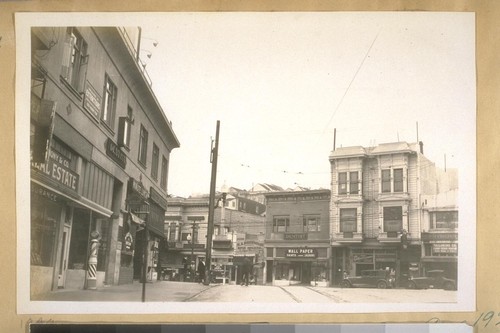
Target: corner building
376	214
100	149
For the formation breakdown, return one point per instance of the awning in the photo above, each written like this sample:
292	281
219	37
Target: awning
136	219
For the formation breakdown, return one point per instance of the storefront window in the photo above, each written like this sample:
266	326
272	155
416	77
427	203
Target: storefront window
79	239
84	221
102	226
44	217
320	271
282	271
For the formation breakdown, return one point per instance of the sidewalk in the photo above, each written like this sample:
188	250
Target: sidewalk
158	291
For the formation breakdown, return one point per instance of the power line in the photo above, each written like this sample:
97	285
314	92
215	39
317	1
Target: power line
350	83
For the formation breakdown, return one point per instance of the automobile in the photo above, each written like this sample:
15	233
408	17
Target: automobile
435	279
375	278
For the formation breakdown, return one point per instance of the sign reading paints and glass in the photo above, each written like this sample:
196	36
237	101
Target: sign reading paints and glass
300	252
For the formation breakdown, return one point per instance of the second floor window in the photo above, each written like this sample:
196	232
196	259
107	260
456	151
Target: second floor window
124	129
386	180
348	221
353	182
311	223
143	146
398	180
75	60
164	173
392	181
154	162
348	182
445	220
109	105
281	223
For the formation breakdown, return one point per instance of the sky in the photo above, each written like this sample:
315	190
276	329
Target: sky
281	83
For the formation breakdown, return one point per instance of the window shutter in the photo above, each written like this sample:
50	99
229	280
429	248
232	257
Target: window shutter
122	122
83	74
66	60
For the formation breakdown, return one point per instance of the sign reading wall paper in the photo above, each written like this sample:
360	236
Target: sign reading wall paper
301	252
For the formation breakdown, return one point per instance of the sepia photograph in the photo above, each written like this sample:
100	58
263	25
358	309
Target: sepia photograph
246	162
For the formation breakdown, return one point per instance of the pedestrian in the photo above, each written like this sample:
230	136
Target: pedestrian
201	270
246	270
392	278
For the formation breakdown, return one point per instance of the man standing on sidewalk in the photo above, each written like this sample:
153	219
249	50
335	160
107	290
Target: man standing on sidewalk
246	269
201	271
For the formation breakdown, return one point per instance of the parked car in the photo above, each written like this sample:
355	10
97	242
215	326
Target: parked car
435	279
370	278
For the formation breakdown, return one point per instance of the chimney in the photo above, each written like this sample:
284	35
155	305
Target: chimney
421	147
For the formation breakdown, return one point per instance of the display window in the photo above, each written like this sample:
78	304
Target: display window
44	219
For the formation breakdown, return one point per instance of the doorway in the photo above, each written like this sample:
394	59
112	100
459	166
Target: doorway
63	262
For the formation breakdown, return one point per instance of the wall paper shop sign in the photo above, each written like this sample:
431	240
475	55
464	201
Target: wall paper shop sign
298	252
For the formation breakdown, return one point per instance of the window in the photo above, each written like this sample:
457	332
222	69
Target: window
110	92
154	162
143	146
348	219
398	180
353	182
281	223
394	183
386	180
348	182
342	182
75	60
445	220
311	223
124	128
393	219
173	229
164	173
44	219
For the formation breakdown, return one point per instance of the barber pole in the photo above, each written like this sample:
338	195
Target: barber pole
92	267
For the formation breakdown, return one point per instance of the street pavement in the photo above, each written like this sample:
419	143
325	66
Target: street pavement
170	291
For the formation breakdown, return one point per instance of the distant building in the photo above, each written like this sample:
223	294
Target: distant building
186	229
440	232
257	192
377	207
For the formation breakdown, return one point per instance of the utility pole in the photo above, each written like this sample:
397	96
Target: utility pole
211	202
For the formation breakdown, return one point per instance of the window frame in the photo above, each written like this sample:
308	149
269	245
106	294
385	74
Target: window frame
155	159
143	146
109	102
398	177
385	179
442	224
75	58
164	173
277	227
387	213
345	218
306	219
342	183
353	184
